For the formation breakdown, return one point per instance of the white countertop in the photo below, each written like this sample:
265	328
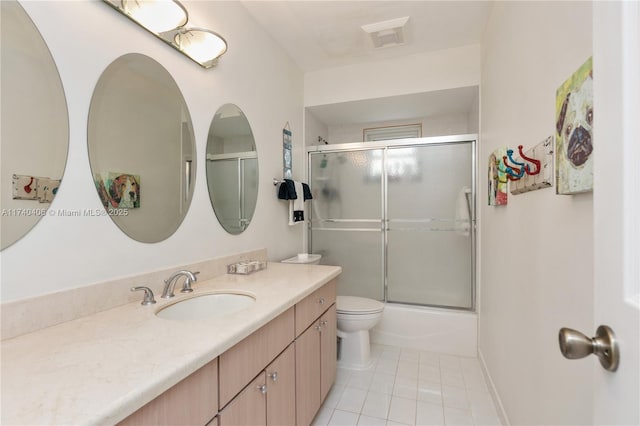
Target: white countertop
101	368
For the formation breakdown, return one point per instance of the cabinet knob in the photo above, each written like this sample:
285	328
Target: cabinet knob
262	389
324	323
318	327
274	376
321	301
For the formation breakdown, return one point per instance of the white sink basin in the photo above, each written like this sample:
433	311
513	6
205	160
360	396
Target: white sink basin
209	305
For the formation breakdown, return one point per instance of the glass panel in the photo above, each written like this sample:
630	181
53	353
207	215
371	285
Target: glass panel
429	268
249	189
347	185
360	255
224	179
424	181
347	218
429	246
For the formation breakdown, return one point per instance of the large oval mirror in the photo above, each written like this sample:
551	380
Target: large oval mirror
35	125
141	148
232	169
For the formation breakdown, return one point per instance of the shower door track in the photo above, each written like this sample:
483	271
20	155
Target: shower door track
385	222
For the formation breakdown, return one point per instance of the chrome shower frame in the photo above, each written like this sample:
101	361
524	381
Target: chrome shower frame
401	143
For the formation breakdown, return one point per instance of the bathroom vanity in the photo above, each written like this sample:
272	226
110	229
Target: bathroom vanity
272	362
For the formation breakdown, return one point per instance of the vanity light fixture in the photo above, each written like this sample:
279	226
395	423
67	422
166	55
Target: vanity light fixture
167	20
203	46
157	16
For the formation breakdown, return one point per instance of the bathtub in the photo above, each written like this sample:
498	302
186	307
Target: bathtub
428	329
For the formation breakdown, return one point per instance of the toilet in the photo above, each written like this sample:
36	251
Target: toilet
356	316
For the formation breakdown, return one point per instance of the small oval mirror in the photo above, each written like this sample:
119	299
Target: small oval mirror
232	169
141	148
35	125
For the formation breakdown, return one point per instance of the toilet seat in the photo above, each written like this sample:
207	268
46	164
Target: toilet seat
351	305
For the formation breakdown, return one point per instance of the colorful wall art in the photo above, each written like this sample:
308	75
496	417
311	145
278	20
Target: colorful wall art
47	189
118	190
25	187
574	136
42	189
497	178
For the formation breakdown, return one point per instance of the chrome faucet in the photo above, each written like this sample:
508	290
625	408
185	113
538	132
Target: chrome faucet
170	283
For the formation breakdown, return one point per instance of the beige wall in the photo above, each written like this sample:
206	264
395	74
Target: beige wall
536	252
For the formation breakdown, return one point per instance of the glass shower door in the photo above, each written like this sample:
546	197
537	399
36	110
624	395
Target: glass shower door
236	184
429	225
346	218
225	178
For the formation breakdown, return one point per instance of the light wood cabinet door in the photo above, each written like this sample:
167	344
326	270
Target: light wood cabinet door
328	351
281	389
193	401
243	361
308	375
249	408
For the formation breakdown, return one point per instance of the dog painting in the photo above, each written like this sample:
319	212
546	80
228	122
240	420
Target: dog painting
119	190
574	135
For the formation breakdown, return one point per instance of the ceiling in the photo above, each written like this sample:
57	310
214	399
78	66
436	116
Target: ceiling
325	34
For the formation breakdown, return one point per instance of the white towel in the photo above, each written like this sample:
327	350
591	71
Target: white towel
298	203
296	207
463	206
291	222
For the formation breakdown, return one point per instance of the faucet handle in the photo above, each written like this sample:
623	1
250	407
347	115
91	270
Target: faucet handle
186	286
148	295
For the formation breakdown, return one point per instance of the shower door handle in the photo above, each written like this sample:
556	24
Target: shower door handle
575	345
467	195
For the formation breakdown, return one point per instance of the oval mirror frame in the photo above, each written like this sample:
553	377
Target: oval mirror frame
141	148
232	169
35	125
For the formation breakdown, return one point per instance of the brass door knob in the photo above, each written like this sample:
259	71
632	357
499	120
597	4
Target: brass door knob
575	345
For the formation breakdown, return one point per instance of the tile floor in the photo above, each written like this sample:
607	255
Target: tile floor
409	387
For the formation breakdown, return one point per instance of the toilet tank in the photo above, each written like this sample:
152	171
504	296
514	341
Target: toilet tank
310	259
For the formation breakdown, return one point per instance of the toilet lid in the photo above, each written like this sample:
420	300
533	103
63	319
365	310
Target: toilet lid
358	305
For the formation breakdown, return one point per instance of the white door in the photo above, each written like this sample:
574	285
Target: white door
616	58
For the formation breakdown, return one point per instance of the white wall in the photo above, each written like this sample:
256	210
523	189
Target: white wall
473	116
439	70
536	252
313	129
255	74
439	125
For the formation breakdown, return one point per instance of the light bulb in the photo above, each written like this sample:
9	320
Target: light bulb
156	15
201	45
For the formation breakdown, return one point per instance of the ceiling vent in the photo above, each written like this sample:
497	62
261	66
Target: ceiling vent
387	33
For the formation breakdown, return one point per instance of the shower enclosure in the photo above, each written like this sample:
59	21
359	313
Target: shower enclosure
232	181
399	217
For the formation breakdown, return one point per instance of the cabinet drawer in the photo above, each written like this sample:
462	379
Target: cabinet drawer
314	305
240	364
193	401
